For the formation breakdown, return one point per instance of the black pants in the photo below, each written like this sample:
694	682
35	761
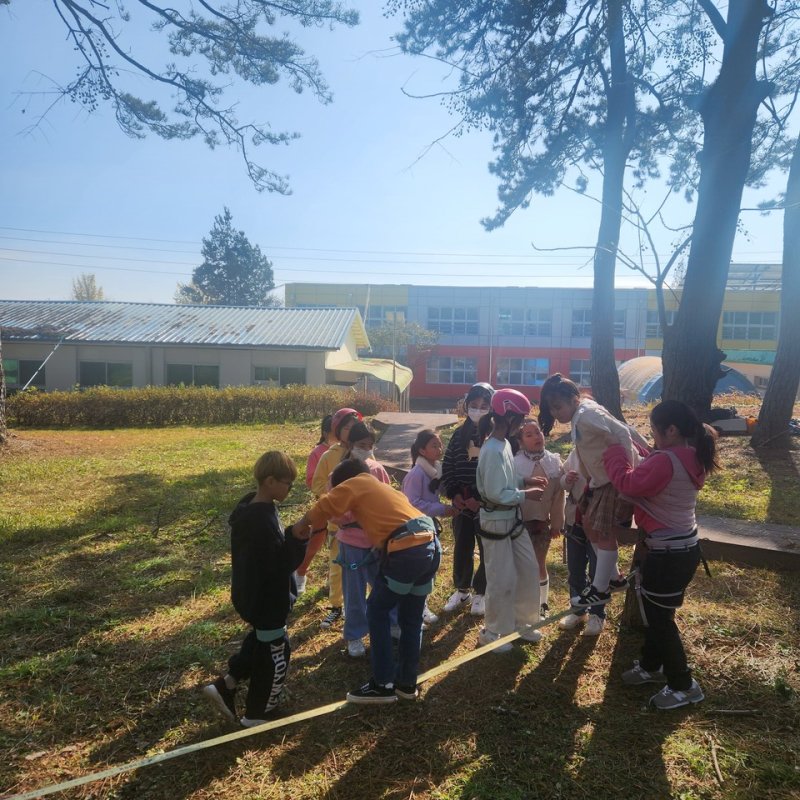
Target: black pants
266	665
665	576
465	533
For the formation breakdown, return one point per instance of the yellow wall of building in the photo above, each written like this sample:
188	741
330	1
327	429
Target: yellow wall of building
345	295
734	301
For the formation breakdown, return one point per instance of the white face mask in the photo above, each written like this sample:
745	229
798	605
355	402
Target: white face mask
476	414
362	455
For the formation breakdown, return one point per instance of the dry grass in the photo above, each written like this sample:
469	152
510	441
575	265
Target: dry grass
115	585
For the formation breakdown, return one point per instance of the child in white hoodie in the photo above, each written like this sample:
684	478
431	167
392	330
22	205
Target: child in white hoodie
603	511
543	518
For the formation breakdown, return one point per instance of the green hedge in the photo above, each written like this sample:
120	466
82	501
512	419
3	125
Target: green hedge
159	406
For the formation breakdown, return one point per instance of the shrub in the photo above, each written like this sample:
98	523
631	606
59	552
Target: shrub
159	406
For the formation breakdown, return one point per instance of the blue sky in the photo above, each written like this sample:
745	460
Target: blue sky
365	207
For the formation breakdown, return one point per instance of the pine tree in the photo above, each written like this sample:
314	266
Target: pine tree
233	272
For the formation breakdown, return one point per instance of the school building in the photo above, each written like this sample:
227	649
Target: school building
516	337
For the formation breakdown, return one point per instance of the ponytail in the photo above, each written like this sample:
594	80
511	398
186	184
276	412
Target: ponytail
555	386
706	447
702	437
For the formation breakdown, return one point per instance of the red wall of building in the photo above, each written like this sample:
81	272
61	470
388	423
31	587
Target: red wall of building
559	362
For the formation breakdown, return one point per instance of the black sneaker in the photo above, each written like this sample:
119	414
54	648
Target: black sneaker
334	615
222	698
618	585
544	610
590	597
406	692
372	693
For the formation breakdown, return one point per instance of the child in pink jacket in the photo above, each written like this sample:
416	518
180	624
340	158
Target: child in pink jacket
664	489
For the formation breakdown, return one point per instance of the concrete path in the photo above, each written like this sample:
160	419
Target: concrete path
394	448
757	544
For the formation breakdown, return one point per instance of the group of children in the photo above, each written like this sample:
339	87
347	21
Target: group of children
509	496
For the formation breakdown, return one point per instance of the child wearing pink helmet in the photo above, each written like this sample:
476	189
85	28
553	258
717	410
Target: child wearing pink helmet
512	572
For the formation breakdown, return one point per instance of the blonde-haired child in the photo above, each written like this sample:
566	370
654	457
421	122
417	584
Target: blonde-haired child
263	557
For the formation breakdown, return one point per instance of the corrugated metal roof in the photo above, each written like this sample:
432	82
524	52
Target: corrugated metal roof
153	323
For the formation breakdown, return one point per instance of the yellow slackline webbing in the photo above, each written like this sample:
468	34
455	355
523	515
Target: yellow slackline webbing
267	726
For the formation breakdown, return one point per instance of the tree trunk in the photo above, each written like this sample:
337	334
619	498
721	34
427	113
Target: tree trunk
691	355
3	429
776	410
616	147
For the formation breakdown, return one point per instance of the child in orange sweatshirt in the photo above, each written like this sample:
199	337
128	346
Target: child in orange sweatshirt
410	555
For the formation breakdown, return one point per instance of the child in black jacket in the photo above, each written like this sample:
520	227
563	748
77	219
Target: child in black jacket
263	558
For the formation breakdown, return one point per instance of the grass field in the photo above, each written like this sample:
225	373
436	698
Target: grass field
115	608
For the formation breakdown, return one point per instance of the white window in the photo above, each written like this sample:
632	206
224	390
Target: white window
619	323
653	329
525	322
449	369
582	323
749	325
378	316
579	371
453	320
522	371
101	373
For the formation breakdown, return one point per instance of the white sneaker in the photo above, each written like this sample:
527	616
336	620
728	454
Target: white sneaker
428	617
456	600
356	649
478	607
529	634
487	637
300	581
594	625
571	621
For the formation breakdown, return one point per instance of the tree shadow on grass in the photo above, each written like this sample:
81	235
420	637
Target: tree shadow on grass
608	764
85	606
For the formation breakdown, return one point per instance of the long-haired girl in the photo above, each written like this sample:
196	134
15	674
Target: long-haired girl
664	488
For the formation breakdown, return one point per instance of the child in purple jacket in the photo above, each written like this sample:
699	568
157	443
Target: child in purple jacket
421	486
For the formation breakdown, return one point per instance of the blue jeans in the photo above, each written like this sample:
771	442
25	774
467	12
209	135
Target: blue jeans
410	572
355	580
580	555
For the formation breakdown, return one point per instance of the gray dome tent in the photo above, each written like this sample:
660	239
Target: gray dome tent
641	380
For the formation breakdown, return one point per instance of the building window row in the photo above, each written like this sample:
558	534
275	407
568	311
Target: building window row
455	321
751	325
447	369
525	322
522	371
510	371
582	323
